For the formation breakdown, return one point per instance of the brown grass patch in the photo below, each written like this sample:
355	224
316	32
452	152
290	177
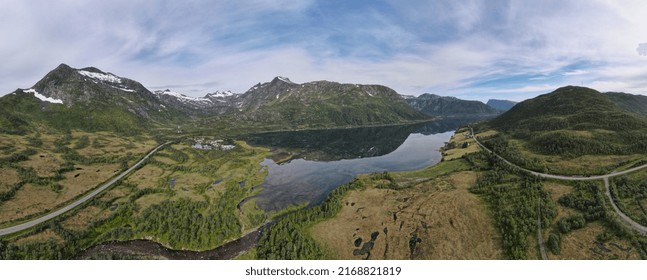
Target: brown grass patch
84	217
147	176
114	144
581	245
45	164
28	200
190	180
583	165
12	140
487	133
581	133
41	237
88	177
451	222
458	139
32	199
556	191
8	177
166	160
146	201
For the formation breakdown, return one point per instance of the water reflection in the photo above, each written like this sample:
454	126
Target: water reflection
326	159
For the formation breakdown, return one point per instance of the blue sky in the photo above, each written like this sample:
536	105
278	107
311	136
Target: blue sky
469	49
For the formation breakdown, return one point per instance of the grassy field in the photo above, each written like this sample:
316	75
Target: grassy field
455	147
9	178
43	171
41	236
34	199
186	183
45	164
186	198
430	214
433	219
581	244
596	239
630	194
81	219
581	165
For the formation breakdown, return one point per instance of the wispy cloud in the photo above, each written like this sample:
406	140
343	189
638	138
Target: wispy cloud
471	49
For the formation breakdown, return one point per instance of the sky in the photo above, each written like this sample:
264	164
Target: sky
469	49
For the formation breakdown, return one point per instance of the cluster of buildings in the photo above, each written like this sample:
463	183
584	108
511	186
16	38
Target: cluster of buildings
209	144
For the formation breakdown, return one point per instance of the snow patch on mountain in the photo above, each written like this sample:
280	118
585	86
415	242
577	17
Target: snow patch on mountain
220	94
44	98
99	76
183	97
285	79
124	89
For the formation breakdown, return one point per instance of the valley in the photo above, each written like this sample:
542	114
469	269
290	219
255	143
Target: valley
96	166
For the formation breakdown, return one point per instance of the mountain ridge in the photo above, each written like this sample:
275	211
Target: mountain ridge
501	104
91	99
449	106
573	121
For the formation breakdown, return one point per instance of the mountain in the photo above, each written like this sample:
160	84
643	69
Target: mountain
447	106
576	121
92	100
503	105
323	104
336	144
571	107
87	99
629	102
217	103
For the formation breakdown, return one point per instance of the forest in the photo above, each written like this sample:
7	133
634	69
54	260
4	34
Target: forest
288	239
514	198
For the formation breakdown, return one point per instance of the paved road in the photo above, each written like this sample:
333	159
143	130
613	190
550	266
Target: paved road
638	227
642	229
80	201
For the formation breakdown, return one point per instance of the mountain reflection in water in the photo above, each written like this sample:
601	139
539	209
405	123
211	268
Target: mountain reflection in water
325	159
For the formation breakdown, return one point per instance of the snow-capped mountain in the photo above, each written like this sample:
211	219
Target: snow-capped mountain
87	99
213	103
91	99
220	94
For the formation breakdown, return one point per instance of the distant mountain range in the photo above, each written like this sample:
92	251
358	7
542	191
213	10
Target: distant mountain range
90	99
446	106
503	105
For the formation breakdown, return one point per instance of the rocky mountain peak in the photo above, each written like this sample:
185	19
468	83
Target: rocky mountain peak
279	79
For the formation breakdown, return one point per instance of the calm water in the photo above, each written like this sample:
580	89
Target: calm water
330	158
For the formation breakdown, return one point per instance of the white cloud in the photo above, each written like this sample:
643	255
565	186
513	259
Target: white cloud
642	49
575	72
444	48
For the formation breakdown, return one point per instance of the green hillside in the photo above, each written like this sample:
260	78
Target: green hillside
629	102
574	121
25	111
448	106
329	104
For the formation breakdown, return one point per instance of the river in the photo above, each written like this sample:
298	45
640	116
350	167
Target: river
319	161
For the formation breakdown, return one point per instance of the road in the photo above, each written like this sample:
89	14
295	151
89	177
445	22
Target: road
633	224
78	202
642	229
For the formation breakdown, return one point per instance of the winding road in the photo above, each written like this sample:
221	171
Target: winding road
51	215
633	224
